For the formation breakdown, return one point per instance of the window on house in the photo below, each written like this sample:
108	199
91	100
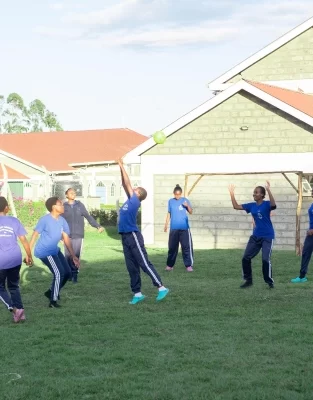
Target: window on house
28	185
135	184
113	190
100	184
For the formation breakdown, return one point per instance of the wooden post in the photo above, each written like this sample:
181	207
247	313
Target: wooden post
195	184
186	185
117	205
7	190
298	215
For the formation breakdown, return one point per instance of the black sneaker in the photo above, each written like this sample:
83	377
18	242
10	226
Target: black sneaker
246	285
75	279
271	285
54	304
48	294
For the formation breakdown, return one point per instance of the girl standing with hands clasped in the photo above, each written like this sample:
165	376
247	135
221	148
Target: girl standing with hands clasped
178	209
263	233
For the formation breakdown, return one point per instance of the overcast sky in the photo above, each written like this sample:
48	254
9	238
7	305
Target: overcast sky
134	63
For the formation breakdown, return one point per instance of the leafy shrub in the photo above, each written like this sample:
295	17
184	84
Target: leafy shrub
28	211
108	217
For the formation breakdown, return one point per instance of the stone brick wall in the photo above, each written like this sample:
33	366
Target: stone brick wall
218	131
215	224
294	60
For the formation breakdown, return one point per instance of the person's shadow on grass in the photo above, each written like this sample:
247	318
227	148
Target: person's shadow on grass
33	274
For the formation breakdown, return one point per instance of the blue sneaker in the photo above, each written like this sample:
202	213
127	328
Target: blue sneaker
136	300
299	280
162	294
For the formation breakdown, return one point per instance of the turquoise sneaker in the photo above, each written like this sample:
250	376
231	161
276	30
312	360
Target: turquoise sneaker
136	300
162	294
299	280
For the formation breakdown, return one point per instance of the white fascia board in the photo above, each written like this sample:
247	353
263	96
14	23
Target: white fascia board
215	84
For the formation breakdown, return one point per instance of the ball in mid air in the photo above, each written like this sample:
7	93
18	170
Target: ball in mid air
159	137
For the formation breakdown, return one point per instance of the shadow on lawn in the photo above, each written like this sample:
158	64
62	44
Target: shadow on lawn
34	273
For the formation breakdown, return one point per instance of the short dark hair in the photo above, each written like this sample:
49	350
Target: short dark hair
69	190
3	203
262	190
142	193
177	188
52	201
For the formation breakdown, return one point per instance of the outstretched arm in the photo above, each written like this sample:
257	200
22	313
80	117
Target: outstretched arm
236	206
270	196
125	179
90	219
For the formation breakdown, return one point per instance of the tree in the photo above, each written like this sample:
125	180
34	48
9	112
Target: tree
15	117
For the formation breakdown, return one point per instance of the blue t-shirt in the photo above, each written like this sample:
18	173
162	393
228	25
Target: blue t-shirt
262	217
10	252
128	215
311	216
50	230
179	213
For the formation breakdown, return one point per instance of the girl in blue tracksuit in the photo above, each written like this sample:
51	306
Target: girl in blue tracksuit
178	209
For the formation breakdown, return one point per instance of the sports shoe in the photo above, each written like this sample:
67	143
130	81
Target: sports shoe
23	318
54	304
299	280
75	278
189	269
246	285
137	299
169	268
271	285
162	294
17	315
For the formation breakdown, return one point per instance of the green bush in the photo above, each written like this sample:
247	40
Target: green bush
28	211
107	217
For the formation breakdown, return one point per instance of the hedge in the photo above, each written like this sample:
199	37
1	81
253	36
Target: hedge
29	212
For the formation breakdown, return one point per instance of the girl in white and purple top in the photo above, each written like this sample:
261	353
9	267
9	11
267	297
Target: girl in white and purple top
11	260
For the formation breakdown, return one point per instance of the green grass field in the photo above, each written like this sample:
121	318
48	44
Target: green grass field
207	340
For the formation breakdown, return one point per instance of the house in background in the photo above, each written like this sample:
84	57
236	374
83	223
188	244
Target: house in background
260	121
47	163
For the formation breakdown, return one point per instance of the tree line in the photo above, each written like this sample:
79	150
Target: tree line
17	117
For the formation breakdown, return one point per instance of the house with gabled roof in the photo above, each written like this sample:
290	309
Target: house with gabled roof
45	163
257	127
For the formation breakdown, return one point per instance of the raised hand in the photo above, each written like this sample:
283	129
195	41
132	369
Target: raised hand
231	189
267	185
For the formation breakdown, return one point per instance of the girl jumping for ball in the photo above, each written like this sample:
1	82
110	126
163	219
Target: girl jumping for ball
178	209
263	233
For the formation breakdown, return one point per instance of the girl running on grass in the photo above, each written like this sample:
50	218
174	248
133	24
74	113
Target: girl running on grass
178	209
51	229
11	229
306	251
263	233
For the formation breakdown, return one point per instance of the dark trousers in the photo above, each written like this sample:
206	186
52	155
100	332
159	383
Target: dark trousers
61	273
182	237
10	278
77	245
136	257
306	255
255	244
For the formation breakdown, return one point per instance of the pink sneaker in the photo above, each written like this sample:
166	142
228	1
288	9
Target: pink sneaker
17	315
169	268
189	269
23	318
